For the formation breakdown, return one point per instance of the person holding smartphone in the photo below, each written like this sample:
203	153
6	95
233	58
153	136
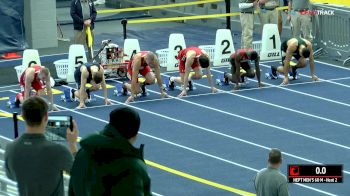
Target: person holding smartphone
35	163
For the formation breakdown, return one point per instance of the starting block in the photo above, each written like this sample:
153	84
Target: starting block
119	91
167	85
142	94
221	81
270	76
181	87
242	84
169	88
66	96
292	63
12	103
91	99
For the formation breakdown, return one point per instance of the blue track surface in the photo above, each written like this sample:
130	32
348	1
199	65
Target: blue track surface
225	137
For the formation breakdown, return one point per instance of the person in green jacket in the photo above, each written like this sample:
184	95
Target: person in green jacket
108	163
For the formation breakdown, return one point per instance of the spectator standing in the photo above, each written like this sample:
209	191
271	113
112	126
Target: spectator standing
300	18
35	163
108	163
247	8
270	181
83	13
268	12
280	17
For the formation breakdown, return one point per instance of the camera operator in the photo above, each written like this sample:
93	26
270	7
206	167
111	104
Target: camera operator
35	163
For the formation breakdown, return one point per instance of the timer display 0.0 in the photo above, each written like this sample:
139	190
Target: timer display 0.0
315	173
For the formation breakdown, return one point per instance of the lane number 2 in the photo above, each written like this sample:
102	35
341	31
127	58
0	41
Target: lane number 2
227	43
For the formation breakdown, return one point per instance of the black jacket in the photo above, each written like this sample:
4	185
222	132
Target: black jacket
106	165
77	14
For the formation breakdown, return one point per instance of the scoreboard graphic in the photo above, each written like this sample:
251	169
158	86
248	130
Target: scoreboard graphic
315	173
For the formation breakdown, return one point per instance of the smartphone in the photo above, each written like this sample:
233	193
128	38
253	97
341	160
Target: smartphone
58	124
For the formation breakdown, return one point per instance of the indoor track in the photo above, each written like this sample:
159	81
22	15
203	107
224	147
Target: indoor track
213	144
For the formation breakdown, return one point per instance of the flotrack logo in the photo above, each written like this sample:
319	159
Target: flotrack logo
317	12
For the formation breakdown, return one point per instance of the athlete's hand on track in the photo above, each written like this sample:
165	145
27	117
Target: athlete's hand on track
285	81
164	95
54	108
129	99
108	101
214	90
81	105
314	78
183	93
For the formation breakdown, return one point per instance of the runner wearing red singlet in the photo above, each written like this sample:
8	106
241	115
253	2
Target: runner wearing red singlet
240	59
38	78
192	58
141	63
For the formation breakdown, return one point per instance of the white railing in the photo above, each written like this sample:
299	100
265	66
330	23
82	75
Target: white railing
332	32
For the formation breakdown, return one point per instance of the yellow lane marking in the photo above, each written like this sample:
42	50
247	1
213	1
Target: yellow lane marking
181	18
337	2
54	91
156	7
107	86
9	115
4	98
204	76
198	179
191	17
142	80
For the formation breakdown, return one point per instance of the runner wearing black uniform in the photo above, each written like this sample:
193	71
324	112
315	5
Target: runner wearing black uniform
300	49
89	74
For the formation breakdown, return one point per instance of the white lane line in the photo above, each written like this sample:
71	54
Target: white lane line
322	80
339	67
9	86
193	150
306	94
263	123
214	132
156	99
230	162
279	106
10	140
10	90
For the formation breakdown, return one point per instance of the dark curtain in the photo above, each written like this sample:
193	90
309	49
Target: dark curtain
12	38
